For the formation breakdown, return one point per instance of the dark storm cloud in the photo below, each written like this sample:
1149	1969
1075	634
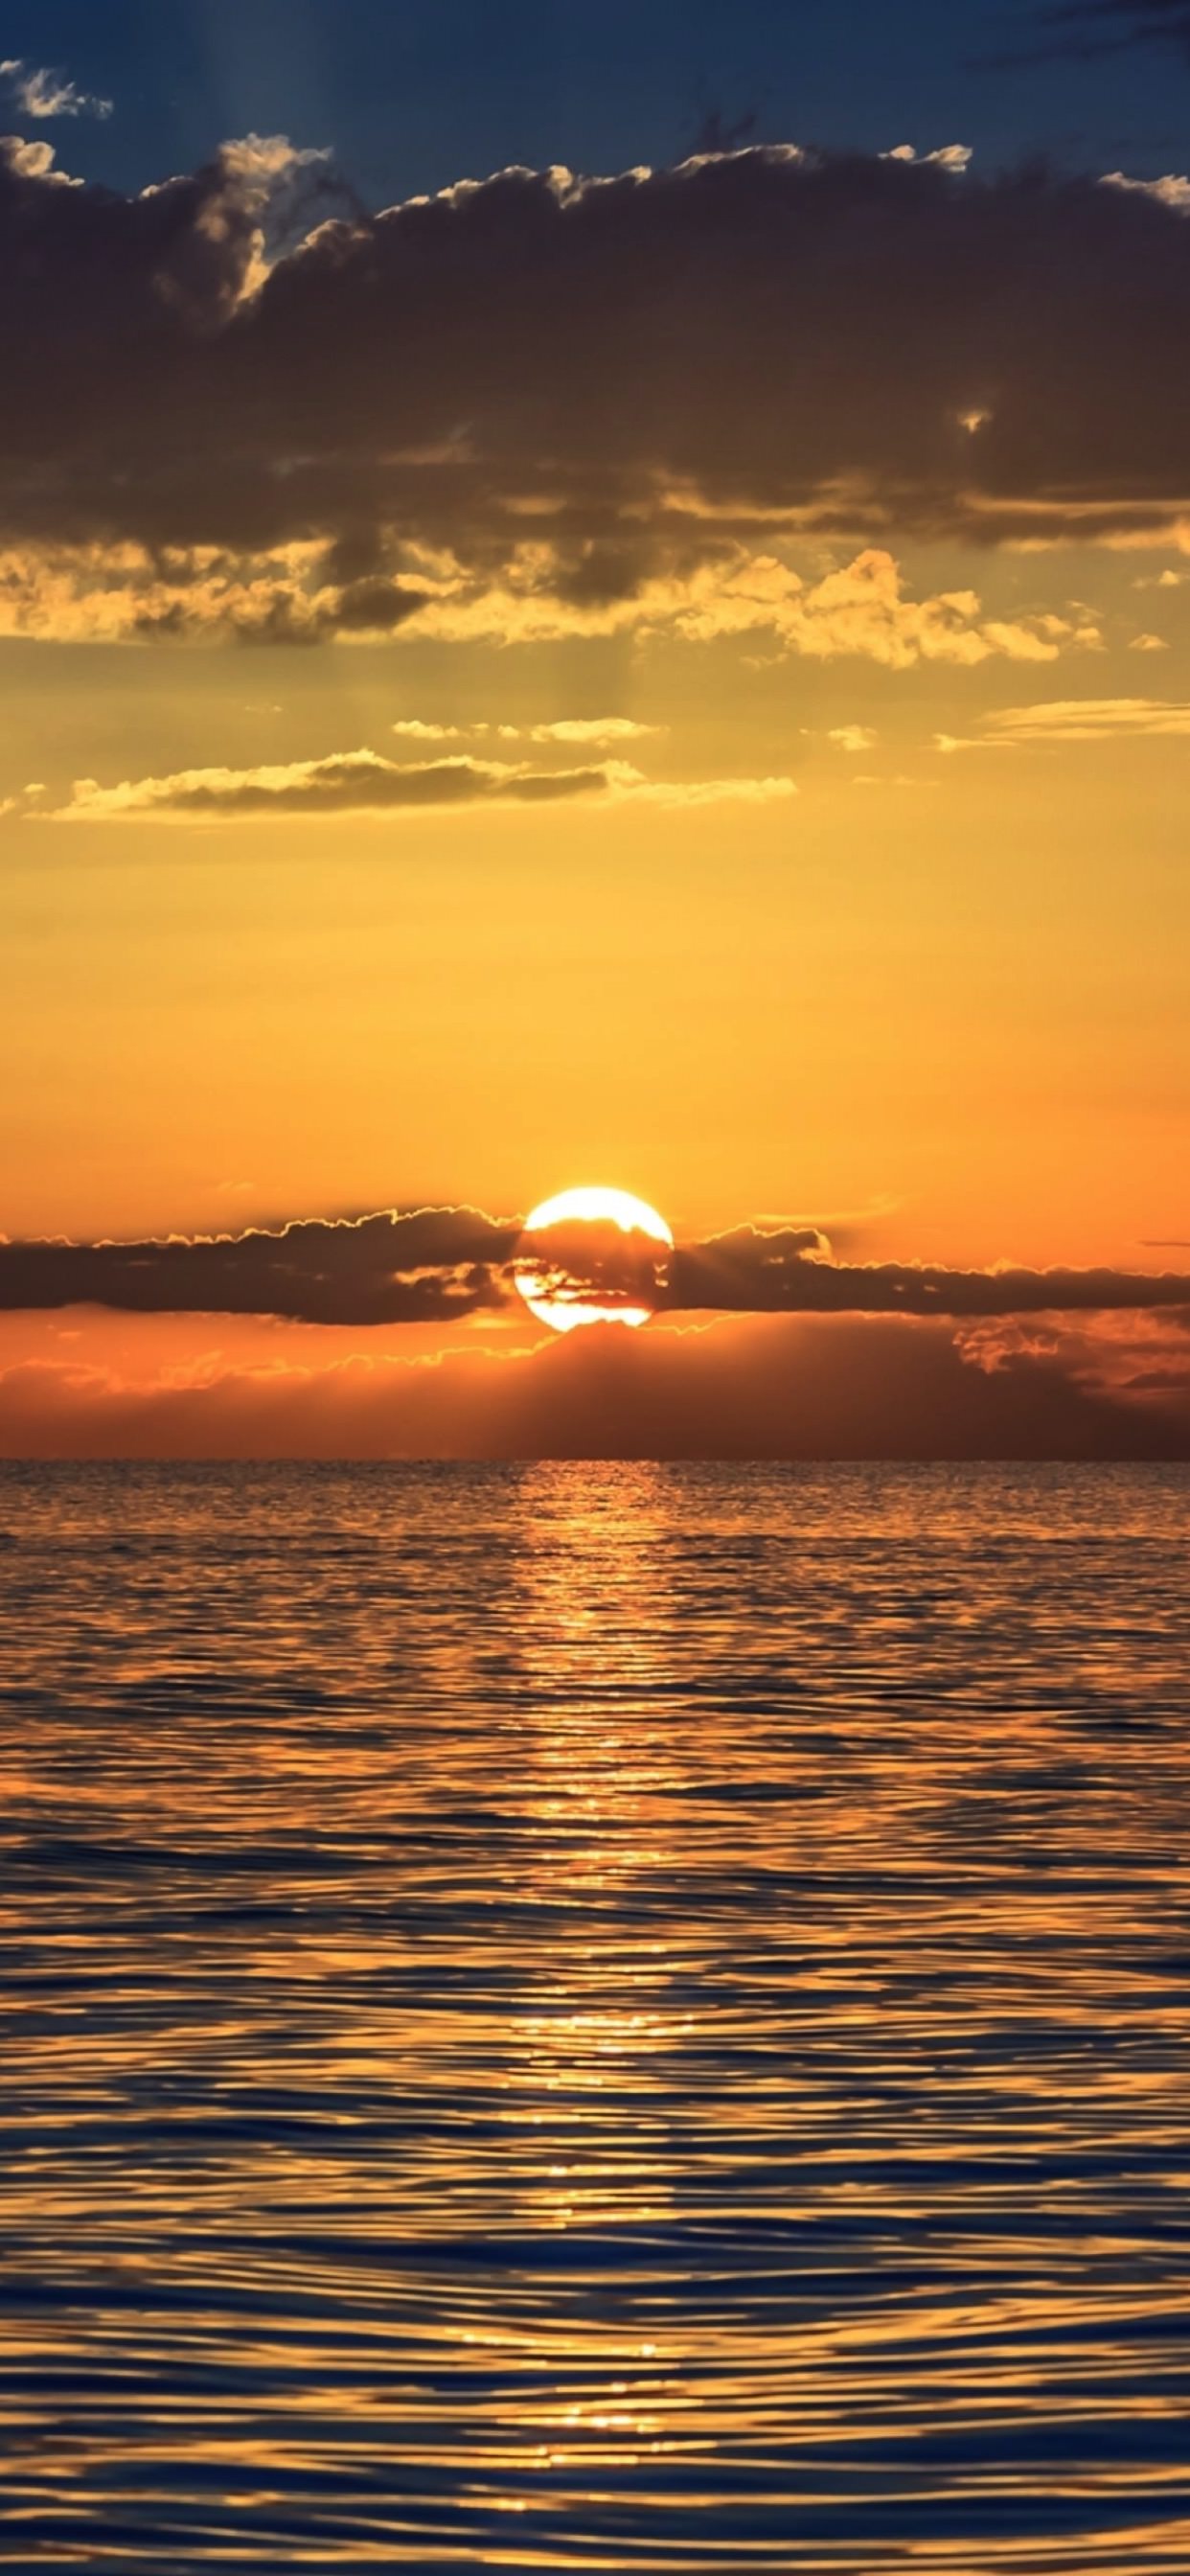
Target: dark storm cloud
435	1264
629	376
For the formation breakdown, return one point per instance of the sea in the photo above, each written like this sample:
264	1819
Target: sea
595	2017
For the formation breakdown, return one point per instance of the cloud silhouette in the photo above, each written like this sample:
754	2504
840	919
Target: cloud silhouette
437	1264
751	1271
425	1265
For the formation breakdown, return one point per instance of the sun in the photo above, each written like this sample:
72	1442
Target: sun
593	1256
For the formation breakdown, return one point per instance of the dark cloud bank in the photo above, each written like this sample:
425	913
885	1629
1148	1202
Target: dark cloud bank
764	1348
632	374
756	1387
437	1264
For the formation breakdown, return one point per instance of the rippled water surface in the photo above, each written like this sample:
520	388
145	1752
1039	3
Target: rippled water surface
595	2017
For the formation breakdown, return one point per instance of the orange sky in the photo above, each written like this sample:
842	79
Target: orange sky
848	886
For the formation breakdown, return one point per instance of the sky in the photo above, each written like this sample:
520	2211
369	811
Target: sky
603	595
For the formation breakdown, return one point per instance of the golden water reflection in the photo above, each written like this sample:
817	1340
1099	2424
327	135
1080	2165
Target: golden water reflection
603	2017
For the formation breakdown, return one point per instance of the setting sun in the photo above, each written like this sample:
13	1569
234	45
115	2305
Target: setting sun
592	1256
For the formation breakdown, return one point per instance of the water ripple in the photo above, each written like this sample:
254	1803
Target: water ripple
605	2018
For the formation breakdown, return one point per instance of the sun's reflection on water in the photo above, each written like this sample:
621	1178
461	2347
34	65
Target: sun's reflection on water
591	2057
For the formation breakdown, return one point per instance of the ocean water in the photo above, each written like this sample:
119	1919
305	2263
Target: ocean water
595	2017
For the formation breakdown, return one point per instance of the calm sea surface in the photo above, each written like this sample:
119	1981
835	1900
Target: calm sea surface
623	2018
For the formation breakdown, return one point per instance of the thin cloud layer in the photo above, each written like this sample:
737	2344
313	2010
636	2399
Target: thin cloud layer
542	404
1080	28
1061	720
1091	720
360	782
437	1264
349	782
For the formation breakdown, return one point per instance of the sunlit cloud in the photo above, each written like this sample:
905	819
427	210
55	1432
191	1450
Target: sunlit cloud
40	93
865	608
583	729
323	455
1172	190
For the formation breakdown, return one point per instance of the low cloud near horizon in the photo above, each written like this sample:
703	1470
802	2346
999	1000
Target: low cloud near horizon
442	1263
765	1345
806	1387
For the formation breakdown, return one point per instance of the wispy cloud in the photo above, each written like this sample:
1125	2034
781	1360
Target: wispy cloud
572	729
1061	720
40	93
583	729
1091	720
1082	28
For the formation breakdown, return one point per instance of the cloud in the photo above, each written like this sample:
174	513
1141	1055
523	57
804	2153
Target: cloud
760	1387
583	729
1169	191
852	737
361	782
425	1265
41	93
1062	720
756	1271
348	782
539	404
431	1264
1140	1360
129	594
890	778
1083	28
1090	720
949	156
